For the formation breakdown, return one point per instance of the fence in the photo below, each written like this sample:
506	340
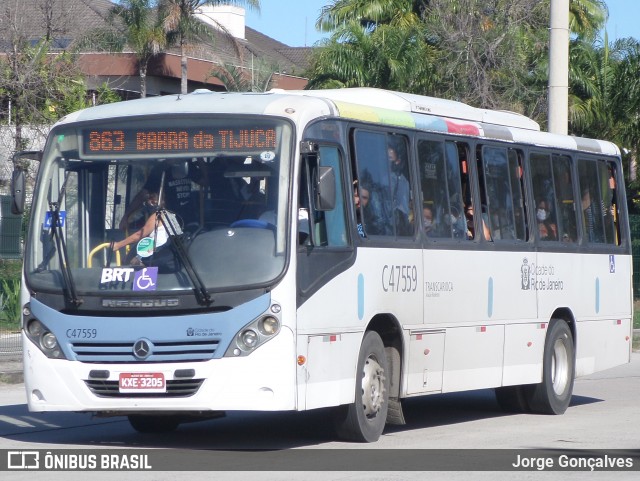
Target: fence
10	344
11	236
634	224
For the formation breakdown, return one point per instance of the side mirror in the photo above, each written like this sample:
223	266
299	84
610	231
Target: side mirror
18	178
17	191
325	189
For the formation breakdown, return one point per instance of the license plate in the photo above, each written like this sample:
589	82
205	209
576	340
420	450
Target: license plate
142	382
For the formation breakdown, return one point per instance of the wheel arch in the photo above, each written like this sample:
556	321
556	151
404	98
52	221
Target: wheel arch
565	314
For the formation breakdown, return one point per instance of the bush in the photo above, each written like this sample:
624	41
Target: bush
10	310
11	269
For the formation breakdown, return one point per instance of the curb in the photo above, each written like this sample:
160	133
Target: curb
11	370
11	377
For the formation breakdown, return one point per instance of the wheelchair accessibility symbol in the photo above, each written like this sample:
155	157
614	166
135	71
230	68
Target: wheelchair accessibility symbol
146	279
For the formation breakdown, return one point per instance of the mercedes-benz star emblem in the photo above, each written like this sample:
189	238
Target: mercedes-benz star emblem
142	349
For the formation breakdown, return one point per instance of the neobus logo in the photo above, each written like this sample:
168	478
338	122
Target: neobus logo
140	303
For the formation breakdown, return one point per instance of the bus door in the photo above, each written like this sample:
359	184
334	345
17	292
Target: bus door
326	296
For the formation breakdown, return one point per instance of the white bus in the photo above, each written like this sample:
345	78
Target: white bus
481	253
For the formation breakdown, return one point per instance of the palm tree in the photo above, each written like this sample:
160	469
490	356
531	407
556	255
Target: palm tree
182	26
388	57
375	43
587	17
370	13
239	79
144	34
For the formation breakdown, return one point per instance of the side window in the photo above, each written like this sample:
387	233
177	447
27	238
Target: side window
334	220
496	193
565	199
553	196
608	171
326	228
383	172
517	190
598	201
544	196
442	198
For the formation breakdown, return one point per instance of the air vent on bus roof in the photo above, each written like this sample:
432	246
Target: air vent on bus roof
461	111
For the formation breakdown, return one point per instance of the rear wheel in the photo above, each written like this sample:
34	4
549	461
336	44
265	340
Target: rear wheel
364	420
553	394
153	424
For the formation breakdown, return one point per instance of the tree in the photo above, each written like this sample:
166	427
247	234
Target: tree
239	79
626	96
38	84
374	43
587	17
388	57
144	33
182	26
371	13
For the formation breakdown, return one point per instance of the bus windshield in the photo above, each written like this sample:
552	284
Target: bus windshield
160	205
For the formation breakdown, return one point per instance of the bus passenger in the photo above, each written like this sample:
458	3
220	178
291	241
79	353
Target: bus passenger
470	226
427	220
589	213
361	200
546	228
401	191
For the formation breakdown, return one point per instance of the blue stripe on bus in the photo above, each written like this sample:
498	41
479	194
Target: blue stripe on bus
360	296
490	298
597	295
430	122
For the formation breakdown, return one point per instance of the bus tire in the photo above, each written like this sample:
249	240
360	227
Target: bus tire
553	394
144	423
512	399
364	420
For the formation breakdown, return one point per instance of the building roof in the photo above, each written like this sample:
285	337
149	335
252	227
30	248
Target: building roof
66	20
69	21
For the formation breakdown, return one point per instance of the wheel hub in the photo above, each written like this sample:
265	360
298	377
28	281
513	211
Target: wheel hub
372	387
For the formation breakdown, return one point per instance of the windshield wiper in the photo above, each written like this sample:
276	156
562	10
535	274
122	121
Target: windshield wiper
170	223
61	247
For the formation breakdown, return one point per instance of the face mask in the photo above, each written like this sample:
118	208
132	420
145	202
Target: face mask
541	214
427	222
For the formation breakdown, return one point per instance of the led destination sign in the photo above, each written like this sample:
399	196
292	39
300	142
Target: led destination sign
147	141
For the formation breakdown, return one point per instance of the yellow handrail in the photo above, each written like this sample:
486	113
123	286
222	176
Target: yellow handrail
97	248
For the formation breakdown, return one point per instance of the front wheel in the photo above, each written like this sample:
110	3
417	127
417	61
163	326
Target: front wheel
553	394
365	419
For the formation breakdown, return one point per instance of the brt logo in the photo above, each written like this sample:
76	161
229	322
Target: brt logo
116	274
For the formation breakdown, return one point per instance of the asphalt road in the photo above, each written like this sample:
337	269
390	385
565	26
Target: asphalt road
603	416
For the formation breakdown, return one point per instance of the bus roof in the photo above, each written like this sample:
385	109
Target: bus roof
362	103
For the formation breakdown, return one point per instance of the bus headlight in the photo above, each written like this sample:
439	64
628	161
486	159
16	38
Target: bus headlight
249	338
35	329
253	335
44	339
49	341
269	325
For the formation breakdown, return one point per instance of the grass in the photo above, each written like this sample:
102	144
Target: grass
9	326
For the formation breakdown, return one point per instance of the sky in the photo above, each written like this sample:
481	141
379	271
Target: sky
292	22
